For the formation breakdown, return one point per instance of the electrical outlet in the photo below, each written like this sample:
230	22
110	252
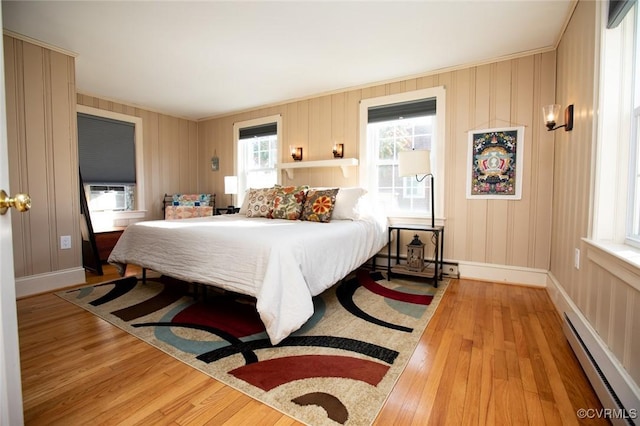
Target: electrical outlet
451	270
65	242
576	259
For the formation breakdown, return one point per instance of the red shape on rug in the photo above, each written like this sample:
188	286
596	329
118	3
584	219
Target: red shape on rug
270	373
366	281
237	319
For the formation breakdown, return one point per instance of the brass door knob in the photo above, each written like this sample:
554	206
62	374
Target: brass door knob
21	202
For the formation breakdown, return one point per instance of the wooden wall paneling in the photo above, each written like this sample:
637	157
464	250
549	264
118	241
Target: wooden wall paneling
427	82
217	136
195	159
324	144
206	150
338	118
227	166
411	85
312	142
603	316
39	230
225	133
40	87
573	169
542	142
49	145
169	160
204	159
395	87
352	130
615	314
16	147
523	89
630	358
292	131
458	123
154	191
301	176
187	178
374	91
472	205
481	243
65	161
500	211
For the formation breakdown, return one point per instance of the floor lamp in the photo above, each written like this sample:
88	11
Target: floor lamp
416	163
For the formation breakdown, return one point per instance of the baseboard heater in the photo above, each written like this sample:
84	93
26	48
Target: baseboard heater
621	403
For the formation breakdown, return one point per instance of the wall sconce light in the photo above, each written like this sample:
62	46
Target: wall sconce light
338	150
551	113
296	153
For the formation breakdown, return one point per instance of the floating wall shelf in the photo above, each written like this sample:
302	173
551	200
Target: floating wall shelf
343	163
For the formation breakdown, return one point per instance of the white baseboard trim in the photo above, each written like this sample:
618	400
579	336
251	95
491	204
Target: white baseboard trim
623	384
47	282
503	274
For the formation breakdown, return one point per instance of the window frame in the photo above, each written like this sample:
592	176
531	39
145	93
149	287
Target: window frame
140	204
237	150
609	245
367	159
632	229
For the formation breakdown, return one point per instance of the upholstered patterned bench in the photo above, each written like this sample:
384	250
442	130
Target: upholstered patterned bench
184	206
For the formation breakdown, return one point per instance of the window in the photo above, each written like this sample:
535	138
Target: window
633	221
110	158
258	147
402	122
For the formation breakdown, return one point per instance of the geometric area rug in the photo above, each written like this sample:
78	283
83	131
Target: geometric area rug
338	369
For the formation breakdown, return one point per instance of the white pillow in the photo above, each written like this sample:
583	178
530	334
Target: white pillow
245	203
346	207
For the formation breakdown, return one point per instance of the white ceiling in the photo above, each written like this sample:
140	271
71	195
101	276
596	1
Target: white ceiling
203	59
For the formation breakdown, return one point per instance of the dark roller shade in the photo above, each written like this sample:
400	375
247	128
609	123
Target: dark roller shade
106	149
418	108
617	11
269	129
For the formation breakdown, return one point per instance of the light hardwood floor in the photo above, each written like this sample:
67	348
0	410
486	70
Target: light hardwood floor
492	354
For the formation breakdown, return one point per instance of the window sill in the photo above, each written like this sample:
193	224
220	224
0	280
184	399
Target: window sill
621	260
109	219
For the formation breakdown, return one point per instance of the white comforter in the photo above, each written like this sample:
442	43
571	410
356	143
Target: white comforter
282	263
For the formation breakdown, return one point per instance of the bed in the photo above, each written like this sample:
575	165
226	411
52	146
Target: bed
282	263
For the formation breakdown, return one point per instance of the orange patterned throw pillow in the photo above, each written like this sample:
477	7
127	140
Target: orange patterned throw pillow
287	202
319	205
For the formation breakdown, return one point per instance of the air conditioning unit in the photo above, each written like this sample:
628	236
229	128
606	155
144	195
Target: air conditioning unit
107	197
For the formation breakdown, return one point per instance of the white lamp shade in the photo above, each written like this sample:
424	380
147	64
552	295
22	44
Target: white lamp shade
413	163
231	184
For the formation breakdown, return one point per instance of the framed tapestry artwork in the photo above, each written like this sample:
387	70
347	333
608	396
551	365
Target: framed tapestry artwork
494	163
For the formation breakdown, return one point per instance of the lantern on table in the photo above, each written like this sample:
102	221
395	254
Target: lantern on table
415	255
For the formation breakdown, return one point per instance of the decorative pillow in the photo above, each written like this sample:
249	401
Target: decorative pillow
288	201
348	203
245	203
319	205
260	202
